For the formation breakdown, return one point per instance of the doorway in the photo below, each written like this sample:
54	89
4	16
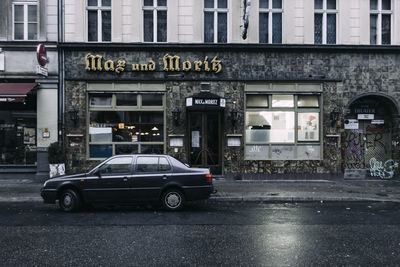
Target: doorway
205	140
370	137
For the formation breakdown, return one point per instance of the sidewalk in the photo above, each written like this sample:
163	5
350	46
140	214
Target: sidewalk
253	190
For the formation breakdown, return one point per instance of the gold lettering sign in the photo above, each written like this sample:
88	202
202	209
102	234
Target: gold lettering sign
169	63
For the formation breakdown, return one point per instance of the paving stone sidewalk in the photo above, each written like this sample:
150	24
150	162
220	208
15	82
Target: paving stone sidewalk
253	191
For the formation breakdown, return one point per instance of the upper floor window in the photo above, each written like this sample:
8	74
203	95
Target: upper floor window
270	21
380	21
99	20
155	20
215	21
25	21
325	21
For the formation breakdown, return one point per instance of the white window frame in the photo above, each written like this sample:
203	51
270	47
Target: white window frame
296	110
99	8
381	12
324	11
155	8
114	107
215	11
25	4
270	10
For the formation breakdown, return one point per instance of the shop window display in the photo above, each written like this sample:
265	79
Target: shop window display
18	132
127	123
282	126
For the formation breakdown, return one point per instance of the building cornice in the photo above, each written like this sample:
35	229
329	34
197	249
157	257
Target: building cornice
26	46
231	47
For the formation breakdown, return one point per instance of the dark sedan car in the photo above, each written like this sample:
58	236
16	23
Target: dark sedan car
131	178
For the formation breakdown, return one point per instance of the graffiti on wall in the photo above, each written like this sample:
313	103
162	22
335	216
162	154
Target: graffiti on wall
383	170
360	146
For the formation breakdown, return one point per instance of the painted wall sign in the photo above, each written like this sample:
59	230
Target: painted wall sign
364	110
170	63
351	124
213	102
365	116
191	101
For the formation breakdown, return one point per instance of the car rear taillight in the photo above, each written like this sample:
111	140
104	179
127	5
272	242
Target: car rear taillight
209	177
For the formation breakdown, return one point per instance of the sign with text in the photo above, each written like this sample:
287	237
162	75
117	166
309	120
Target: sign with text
170	63
365	116
351	124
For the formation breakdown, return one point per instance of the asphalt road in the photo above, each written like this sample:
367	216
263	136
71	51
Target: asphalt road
203	234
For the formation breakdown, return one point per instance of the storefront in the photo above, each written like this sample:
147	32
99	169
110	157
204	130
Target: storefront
18	124
28	109
242	111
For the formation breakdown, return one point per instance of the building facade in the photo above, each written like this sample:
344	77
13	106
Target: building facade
28	100
269	87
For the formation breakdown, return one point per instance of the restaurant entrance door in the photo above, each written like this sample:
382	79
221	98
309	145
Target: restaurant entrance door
205	140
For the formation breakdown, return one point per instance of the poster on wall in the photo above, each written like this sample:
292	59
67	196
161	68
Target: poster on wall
195	138
308	129
29	136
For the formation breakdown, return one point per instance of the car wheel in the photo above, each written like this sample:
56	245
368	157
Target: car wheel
69	200
173	199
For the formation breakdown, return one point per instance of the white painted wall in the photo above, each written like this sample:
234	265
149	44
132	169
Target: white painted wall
185	21
24	62
46	116
51	20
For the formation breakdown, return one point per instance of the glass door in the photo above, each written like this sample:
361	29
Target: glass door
205	140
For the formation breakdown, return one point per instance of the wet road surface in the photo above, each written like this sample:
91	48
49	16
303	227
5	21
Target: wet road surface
203	234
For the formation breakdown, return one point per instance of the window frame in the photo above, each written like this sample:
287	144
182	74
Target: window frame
113	107
325	11
379	12
296	110
215	10
270	11
99	8
159	157
155	8
98	169
26	22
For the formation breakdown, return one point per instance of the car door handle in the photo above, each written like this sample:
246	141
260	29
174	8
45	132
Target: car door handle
164	177
125	179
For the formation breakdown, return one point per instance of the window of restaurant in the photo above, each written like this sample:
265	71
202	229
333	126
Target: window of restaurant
125	123
282	126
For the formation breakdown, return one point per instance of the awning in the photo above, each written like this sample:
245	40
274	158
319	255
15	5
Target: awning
15	92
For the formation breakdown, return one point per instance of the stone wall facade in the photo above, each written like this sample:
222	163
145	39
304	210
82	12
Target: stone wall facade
344	75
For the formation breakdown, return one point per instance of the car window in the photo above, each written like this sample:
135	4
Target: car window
163	164
117	165
147	164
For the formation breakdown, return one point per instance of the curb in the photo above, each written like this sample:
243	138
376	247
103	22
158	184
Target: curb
299	199
34	199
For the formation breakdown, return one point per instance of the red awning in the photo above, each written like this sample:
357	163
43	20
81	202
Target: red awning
15	92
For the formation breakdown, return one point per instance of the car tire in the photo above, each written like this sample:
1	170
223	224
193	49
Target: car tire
69	200
173	199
